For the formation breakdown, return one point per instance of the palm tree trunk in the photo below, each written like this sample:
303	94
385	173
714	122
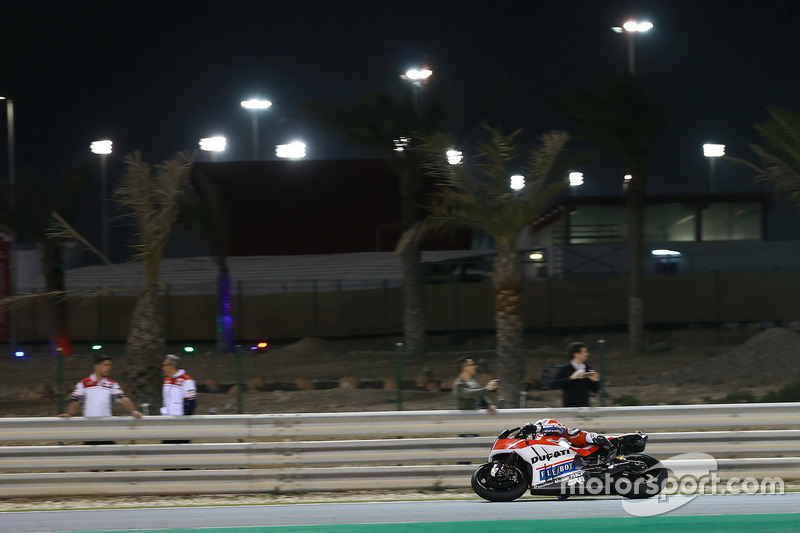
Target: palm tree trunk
54	282
414	323
508	323
413	301
146	347
635	208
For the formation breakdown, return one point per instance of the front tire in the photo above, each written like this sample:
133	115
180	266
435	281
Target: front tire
506	485
637	485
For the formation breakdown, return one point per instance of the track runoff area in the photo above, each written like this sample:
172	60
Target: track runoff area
763	523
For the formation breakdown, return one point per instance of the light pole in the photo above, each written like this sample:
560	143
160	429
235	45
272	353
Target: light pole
214	145
631	28
254	105
417	77
11	286
712	152
103	148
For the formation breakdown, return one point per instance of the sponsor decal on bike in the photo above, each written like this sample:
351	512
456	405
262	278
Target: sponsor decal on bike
556	470
544	455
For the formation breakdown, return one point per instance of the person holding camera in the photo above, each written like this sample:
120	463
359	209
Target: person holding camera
576	378
470	395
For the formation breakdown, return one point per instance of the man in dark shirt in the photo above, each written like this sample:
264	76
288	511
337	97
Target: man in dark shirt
576	378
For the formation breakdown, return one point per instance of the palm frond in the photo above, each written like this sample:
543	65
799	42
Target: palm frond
25	299
60	229
478	195
779	160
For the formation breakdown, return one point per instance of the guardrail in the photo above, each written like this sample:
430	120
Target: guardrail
355	451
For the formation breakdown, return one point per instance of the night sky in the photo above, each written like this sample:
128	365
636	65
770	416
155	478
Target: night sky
159	75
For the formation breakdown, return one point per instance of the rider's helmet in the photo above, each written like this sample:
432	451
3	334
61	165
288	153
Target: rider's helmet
548	426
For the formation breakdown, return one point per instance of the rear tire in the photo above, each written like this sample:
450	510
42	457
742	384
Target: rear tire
508	483
641	485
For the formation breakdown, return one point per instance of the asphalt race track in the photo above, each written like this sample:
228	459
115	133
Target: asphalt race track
707	513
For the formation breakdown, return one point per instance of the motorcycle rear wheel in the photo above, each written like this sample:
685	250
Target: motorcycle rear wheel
642	485
508	484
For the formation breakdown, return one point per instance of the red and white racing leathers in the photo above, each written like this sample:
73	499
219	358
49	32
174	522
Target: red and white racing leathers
553	428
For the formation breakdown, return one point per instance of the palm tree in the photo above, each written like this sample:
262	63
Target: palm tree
150	198
203	212
619	117
485	202
779	159
388	127
34	221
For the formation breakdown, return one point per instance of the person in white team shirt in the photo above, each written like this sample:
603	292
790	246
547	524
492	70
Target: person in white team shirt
96	392
179	391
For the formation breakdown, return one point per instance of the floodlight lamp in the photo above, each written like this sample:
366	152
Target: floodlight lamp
213	144
188	349
454	157
401	143
256	104
713	150
665	253
97	347
418	74
575	179
517	182
292	150
101	147
536	256
635	26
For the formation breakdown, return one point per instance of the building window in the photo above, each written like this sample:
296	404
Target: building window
734	221
670	222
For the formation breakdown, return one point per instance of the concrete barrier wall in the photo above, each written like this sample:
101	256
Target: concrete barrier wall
357	451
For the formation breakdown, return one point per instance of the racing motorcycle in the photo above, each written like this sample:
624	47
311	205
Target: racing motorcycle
551	466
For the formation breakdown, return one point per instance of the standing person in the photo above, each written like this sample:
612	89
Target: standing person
179	391
97	391
470	395
576	378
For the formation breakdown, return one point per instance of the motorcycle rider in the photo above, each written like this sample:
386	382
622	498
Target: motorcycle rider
553	428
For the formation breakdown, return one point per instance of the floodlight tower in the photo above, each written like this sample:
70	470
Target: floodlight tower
417	77
12	252
255	105
712	152
103	148
631	28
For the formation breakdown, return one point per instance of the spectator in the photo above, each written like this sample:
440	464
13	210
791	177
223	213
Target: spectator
97	391
576	378
470	395
179	391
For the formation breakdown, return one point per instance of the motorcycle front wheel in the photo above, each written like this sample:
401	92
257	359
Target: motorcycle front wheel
507	484
645	484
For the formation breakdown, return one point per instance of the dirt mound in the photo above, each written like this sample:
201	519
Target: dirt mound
770	356
310	346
